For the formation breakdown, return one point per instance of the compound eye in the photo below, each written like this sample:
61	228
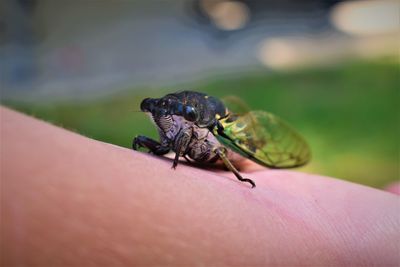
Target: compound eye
190	113
147	105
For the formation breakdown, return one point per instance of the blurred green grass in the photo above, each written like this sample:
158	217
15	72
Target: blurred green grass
349	114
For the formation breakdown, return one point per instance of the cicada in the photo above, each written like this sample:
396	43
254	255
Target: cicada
202	128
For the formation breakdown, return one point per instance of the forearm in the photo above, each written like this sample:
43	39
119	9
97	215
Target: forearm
67	199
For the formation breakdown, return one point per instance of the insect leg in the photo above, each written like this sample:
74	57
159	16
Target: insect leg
221	152
154	146
181	143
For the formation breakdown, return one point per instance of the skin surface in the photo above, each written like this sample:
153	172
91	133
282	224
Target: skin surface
67	200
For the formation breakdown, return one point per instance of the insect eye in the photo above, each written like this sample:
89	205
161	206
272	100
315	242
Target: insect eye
190	113
147	104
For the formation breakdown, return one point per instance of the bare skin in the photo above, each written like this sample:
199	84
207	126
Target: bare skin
67	200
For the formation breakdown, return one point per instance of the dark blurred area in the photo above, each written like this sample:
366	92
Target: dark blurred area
330	68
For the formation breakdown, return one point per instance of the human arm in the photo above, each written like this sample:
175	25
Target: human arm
70	200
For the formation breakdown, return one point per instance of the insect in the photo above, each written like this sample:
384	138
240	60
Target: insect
200	127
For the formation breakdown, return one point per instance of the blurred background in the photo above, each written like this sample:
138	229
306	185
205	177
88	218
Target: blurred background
330	68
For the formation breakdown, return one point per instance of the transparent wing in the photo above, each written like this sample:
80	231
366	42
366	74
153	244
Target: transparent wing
235	105
265	139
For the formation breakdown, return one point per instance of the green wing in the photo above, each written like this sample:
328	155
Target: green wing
235	105
265	139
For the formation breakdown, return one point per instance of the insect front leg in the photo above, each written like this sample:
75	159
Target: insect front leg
181	144
221	152
153	146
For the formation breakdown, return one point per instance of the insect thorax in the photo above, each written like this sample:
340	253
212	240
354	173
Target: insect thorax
201	145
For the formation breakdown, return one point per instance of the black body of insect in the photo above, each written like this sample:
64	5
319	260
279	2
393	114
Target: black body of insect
197	126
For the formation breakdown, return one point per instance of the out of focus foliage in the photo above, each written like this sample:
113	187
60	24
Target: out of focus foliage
348	113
